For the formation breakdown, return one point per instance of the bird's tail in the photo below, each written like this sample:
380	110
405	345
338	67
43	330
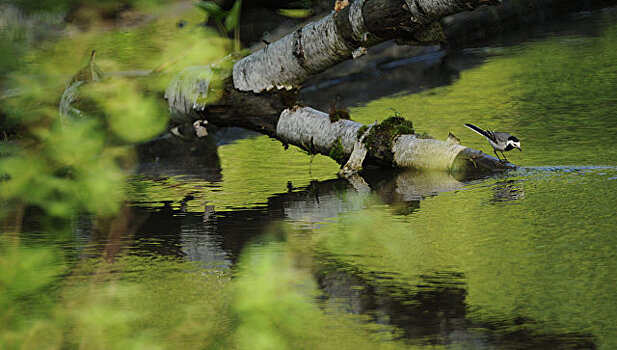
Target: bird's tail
476	129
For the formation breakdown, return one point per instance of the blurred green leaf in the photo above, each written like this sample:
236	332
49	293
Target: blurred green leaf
271	300
232	21
213	10
24	271
75	143
19	170
102	187
131	115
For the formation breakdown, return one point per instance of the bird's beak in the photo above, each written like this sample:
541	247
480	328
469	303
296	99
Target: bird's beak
519	149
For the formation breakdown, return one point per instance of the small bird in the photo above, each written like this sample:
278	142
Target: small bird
500	141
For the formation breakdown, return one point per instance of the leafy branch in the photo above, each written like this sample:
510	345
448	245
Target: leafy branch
226	21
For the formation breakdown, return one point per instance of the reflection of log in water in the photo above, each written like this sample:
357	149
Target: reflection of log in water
168	229
434	312
220	236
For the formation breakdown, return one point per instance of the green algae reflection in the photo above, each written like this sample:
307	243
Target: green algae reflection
547	256
253	170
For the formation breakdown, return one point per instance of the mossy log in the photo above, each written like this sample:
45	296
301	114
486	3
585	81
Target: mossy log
261	94
313	131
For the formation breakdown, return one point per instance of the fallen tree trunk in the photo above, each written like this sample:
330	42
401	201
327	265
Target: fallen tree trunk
314	131
261	94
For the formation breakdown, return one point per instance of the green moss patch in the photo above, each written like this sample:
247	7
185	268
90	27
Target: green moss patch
386	131
338	113
361	131
337	152
424	135
381	136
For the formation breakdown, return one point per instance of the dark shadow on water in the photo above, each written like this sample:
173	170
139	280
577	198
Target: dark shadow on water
436	313
169	155
218	236
170	229
172	156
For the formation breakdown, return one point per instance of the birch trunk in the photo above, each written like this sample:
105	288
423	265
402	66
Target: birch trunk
313	131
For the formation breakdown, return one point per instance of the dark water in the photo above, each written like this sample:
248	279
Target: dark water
525	260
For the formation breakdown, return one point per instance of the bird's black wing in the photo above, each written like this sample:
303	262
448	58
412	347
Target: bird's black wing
491	136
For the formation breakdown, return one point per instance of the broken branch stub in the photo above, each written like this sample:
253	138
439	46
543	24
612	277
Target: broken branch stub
356	159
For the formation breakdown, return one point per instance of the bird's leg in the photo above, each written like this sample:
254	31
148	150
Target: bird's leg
504	156
494	150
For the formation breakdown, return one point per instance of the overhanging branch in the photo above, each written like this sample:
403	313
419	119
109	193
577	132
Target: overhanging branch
288	62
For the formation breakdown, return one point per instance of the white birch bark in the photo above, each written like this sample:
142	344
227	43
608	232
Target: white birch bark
313	130
425	154
289	61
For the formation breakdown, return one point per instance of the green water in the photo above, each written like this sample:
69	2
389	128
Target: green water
556	95
274	251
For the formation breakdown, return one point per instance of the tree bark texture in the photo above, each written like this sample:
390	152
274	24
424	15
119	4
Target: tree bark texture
334	38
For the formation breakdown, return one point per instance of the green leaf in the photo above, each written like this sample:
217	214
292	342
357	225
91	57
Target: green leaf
233	18
213	10
295	13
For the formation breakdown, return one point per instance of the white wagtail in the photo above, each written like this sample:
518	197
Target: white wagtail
500	141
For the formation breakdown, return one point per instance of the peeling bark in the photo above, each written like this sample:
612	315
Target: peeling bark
356	159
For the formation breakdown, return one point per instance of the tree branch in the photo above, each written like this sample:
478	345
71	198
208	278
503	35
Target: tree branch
334	38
